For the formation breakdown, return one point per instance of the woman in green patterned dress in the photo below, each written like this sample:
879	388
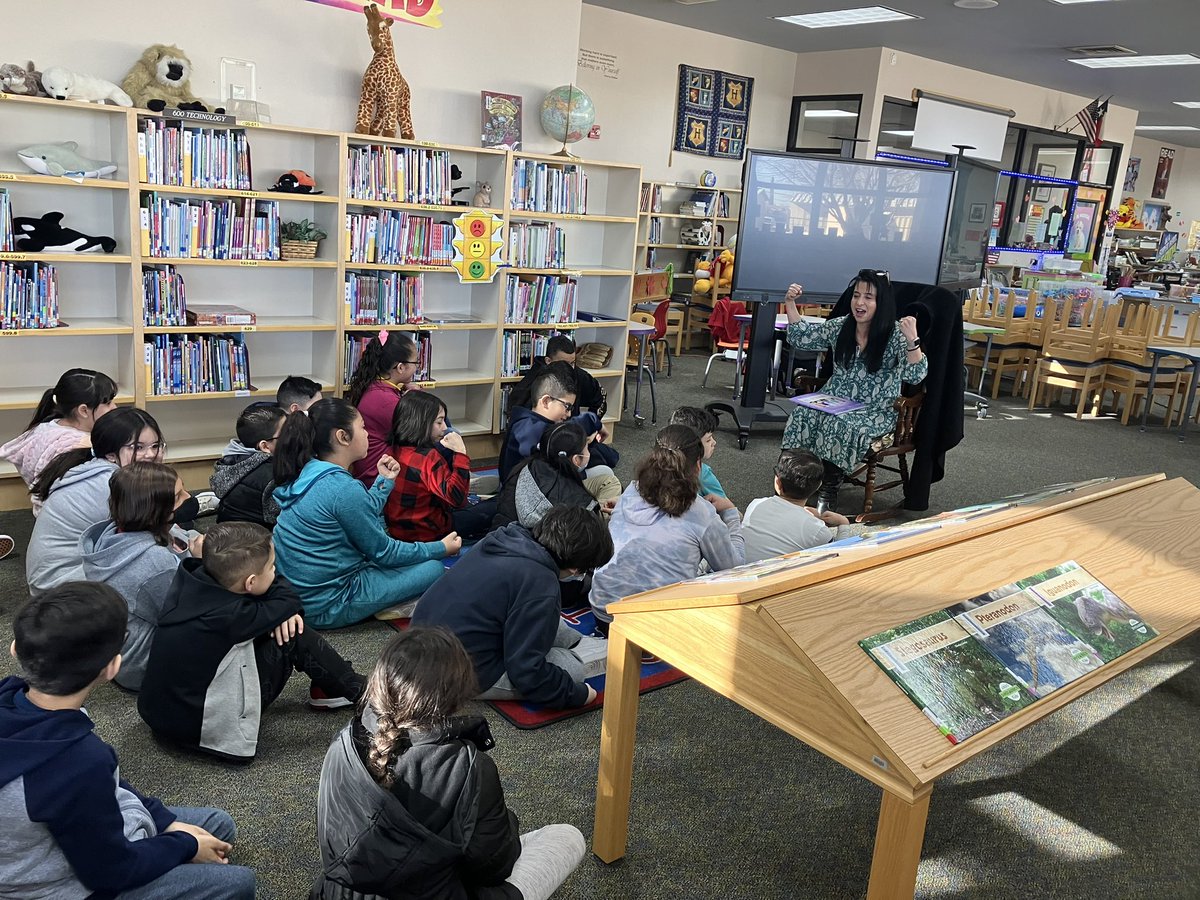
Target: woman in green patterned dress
872	354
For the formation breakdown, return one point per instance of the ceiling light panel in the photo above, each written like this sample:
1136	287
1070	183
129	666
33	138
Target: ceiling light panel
1190	104
1166	128
1128	62
865	15
1070	2
828	114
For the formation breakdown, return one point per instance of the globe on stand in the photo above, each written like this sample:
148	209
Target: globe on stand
567	114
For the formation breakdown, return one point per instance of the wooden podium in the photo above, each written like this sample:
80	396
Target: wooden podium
786	646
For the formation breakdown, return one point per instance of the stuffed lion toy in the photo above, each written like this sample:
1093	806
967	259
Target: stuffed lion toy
161	78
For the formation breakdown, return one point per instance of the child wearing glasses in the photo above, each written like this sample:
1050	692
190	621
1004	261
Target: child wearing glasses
73	493
553	397
388	366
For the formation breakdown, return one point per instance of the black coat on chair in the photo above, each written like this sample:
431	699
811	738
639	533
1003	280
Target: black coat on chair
940	427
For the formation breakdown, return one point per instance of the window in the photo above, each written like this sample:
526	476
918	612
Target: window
896	125
819	124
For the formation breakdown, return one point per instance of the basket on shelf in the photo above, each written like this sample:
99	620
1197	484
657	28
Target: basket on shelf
299	240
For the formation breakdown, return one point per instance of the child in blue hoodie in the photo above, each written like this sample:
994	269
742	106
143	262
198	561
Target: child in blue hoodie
330	539
70	827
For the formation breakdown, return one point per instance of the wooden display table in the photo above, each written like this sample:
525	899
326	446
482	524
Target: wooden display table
786	646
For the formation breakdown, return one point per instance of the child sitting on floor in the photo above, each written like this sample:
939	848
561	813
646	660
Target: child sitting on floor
243	480
136	553
704	424
296	394
553	476
785	523
70	826
430	497
227	614
553	397
330	538
502	601
384	374
410	804
662	529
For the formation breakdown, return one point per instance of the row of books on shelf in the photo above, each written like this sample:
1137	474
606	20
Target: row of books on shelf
391	237
544	300
384	298
196	364
518	349
6	223
355	344
537	245
545	188
703	202
974	663
654	231
164	304
173	227
28	295
178	155
399	174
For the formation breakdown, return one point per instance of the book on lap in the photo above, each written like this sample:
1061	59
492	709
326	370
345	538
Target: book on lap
827	403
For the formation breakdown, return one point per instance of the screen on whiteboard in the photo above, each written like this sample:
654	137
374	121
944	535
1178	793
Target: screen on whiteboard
942	125
817	220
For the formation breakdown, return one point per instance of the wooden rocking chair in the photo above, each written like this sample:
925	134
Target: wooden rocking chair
895	446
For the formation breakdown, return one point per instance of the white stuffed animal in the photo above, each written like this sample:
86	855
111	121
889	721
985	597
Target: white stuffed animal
63	84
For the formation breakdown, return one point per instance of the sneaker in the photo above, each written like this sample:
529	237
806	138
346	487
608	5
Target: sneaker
649	659
6	545
208	502
318	699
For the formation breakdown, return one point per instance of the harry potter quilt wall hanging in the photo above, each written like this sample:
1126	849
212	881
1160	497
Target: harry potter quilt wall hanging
713	112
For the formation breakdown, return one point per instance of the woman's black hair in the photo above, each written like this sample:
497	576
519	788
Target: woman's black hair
309	435
377	360
882	324
559	444
111	432
75	388
413	418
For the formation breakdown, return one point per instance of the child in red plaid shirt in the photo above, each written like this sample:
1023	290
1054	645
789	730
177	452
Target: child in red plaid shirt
430	497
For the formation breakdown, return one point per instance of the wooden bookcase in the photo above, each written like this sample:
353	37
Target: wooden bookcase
303	314
659	203
785	646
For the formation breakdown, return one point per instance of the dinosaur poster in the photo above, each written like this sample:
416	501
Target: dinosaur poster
1088	609
415	12
713	112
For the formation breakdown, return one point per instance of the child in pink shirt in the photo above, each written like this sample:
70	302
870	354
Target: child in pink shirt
388	365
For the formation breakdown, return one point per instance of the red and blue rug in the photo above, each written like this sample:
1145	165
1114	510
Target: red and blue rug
527	716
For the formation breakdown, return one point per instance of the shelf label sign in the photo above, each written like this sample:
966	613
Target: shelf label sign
414	12
478	245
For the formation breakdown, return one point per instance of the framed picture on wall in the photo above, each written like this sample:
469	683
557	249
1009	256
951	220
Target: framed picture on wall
1041	193
977	212
1132	169
1046	169
1083	226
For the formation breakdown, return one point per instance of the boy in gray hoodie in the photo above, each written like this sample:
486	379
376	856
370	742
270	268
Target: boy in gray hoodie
243	480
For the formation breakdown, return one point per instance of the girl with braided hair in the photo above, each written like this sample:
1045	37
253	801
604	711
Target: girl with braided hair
662	528
410	805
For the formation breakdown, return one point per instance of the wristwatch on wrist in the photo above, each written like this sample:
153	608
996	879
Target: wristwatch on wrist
916	344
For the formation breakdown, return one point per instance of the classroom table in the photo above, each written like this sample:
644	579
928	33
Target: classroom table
970	329
642	332
1192	354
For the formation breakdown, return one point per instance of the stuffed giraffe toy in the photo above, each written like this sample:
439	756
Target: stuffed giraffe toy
383	104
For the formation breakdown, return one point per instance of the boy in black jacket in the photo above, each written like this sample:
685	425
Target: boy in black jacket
70	826
243	480
224	613
512	630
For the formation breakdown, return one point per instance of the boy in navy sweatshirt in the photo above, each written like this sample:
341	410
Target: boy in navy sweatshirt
512	629
70	827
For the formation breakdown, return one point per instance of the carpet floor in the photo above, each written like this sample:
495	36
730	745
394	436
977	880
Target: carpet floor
1098	800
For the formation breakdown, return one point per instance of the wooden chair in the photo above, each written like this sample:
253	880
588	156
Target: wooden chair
895	446
1127	373
1074	357
1015	351
668	323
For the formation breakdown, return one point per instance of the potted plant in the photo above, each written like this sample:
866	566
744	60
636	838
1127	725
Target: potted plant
300	239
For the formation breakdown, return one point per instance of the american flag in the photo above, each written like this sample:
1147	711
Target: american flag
1091	117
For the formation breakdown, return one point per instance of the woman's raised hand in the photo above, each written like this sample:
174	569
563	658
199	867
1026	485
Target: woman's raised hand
908	328
793	293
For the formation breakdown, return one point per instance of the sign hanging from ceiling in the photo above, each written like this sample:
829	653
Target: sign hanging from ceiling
415	12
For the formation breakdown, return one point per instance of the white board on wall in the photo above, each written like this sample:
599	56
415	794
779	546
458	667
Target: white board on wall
942	125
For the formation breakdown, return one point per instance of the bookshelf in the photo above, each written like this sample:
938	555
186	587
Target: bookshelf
661	224
305	317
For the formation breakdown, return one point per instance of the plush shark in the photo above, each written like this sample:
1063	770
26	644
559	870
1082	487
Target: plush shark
61	159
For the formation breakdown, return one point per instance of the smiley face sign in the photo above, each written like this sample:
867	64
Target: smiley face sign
478	246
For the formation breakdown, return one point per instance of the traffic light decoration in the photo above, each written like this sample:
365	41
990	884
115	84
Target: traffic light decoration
478	246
